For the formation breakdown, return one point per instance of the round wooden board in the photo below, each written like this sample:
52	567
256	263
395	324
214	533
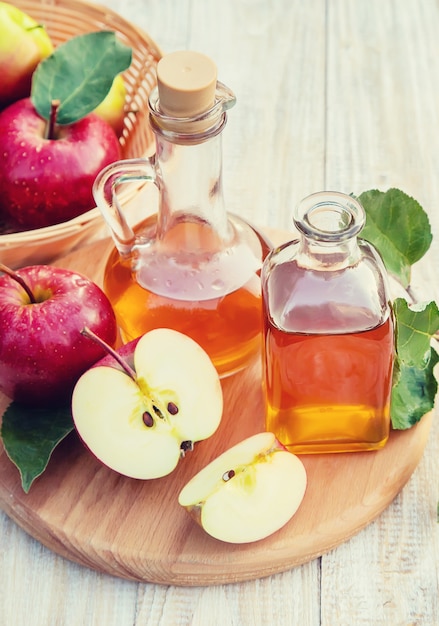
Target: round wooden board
136	530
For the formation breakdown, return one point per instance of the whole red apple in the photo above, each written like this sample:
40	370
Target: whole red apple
49	181
42	350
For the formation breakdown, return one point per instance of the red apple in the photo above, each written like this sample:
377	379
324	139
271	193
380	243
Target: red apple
49	181
42	350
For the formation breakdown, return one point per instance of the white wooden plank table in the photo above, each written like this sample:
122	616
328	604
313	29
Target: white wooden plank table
335	94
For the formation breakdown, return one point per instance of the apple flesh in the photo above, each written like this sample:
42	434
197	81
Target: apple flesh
23	44
49	181
141	424
248	492
42	350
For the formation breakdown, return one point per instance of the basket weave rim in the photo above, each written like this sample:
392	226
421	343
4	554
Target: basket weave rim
105	14
92	8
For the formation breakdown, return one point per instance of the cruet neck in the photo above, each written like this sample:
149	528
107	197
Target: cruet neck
191	186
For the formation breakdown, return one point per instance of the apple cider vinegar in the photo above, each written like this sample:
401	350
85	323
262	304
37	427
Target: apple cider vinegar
228	325
328	333
329	393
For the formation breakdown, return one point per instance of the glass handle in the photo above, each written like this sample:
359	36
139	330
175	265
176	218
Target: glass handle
105	194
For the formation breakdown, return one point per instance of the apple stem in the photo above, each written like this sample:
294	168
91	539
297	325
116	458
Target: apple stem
31	28
91	335
7	270
51	126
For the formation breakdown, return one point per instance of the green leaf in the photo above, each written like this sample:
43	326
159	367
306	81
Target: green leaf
79	73
415	327
398	227
414	385
413	393
30	435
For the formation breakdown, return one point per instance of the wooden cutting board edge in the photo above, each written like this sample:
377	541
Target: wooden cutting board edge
188	572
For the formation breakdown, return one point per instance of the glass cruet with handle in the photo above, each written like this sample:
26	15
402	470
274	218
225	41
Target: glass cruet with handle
192	266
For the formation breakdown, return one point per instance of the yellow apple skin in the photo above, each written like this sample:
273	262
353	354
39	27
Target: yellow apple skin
112	108
23	44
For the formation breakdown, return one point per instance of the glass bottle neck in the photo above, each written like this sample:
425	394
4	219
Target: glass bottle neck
327	256
329	224
188	163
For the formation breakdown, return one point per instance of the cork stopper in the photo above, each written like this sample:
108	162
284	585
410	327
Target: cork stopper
186	83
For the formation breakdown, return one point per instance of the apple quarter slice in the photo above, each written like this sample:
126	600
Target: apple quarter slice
248	492
141	426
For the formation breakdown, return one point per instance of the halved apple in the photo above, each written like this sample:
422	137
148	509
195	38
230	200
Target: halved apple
248	492
140	422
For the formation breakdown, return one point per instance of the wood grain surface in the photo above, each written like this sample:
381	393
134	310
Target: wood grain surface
136	529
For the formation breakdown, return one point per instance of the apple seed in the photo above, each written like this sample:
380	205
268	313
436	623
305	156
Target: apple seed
148	419
172	408
228	475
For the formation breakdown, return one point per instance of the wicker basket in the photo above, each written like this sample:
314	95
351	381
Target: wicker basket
63	20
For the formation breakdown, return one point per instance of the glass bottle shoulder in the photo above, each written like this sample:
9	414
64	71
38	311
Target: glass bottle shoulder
315	296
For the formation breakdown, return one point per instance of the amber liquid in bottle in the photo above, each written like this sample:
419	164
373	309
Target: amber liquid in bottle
228	326
329	393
